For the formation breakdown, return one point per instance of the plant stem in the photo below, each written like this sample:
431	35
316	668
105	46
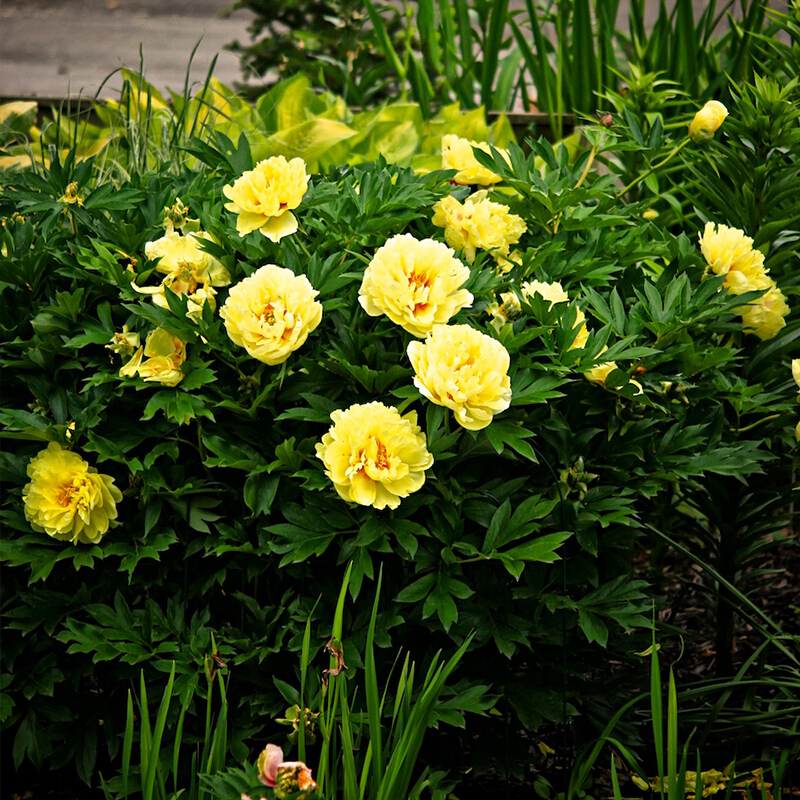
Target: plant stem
654	168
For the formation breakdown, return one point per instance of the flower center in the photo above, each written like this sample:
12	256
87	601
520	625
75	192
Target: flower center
183	280
73	494
65	495
268	314
381	459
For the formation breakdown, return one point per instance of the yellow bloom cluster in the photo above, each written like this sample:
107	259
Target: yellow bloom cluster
729	252
271	313
164	355
457	154
263	197
189	270
554	293
373	455
464	370
416	283
68	499
706	122
478	223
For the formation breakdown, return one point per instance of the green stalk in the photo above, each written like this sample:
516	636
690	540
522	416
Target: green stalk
491	50
127	746
657	713
304	659
675	150
672	738
371	690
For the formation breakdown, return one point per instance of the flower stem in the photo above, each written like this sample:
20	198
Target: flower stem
654	168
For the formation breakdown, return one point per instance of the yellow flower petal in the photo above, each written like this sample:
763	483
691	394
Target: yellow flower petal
706	122
275	228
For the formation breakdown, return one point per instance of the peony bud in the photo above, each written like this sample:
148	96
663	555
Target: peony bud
706	121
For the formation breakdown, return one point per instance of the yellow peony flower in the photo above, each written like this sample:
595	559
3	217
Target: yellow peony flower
374	456
796	370
264	196
68	499
70	196
553	292
165	354
765	317
464	370
729	252
271	313
416	283
457	154
706	122
478	223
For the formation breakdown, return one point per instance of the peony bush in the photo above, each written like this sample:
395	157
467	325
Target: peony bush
493	395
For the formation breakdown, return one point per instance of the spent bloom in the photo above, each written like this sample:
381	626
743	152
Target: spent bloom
288	778
70	196
123	343
706	122
464	370
416	283
478	224
189	269
507	310
457	154
271	313
263	197
68	499
373	455
159	361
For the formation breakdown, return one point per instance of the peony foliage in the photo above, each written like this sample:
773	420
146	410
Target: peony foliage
358	387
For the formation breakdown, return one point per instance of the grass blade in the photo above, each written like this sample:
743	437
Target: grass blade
491	49
371	690
155	744
657	712
672	738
